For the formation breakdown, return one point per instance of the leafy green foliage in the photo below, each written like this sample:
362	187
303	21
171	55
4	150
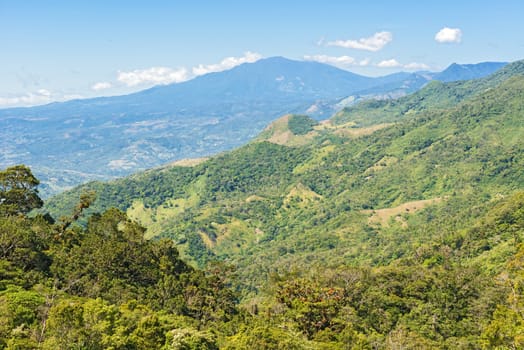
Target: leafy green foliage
433	304
301	124
102	286
18	191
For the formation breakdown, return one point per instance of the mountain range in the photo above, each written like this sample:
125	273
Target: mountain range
394	224
332	182
102	138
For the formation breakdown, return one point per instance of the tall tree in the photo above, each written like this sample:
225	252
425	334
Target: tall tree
18	191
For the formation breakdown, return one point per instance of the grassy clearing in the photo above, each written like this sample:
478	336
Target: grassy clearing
359	132
190	162
383	216
301	196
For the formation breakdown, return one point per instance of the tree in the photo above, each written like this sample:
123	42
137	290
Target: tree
18	191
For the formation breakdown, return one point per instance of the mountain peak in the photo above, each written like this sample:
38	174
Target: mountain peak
276	59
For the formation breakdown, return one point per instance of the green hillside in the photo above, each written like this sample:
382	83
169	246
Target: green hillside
290	130
285	194
395	224
434	96
102	286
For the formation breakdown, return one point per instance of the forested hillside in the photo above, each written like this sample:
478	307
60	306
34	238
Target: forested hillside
99	287
393	225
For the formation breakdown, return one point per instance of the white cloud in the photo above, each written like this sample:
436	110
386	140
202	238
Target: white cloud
40	97
101	86
364	62
392	63
68	97
373	43
226	63
449	35
44	93
416	66
166	75
340	61
29	99
153	75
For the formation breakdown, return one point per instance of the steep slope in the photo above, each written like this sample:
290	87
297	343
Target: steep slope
341	198
435	95
401	84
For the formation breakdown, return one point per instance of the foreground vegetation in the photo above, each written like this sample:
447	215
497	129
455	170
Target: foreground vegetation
106	287
403	232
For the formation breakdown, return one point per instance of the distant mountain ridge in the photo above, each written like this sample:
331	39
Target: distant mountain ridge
436	95
76	141
468	71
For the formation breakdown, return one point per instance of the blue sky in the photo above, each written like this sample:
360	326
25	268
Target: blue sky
57	50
